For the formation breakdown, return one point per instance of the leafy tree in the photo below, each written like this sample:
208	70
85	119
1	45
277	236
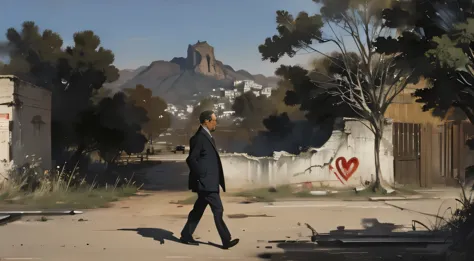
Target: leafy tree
253	109
155	107
101	94
278	100
362	79
441	34
113	126
73	74
204	105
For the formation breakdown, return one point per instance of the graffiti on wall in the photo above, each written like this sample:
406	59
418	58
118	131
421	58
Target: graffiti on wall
344	168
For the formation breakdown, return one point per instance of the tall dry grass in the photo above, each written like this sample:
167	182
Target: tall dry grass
33	186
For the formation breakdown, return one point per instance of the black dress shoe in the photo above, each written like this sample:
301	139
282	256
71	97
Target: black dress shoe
188	241
232	243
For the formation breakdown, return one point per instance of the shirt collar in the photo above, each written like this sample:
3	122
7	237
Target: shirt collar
207	130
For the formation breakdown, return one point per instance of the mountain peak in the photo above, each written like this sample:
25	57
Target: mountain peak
201	59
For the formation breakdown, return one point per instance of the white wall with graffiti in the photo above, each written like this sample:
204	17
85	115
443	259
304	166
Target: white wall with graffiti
346	160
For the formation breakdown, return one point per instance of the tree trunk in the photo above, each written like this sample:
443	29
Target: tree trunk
378	173
378	136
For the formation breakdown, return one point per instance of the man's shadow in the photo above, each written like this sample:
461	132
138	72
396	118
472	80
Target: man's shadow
161	235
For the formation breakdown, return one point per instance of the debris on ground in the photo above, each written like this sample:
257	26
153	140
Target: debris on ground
272	189
43	219
247	216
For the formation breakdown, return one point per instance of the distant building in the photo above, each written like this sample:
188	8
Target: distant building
229	94
25	123
227	114
248	85
219	106
172	109
189	108
267	91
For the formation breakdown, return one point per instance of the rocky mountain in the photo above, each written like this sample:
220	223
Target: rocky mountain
125	76
188	78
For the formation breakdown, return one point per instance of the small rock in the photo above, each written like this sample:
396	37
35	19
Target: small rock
63	246
82	220
243	229
21	244
288	237
299	224
258	247
179	206
104	248
87	244
269	247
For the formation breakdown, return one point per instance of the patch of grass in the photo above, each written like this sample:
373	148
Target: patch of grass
287	191
77	199
32	189
188	201
270	195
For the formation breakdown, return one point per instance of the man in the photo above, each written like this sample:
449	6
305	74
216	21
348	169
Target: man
205	176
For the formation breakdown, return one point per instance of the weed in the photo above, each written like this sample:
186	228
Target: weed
29	187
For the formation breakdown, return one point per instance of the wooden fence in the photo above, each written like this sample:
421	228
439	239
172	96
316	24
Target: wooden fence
431	155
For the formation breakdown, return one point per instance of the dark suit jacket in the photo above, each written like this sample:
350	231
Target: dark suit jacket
204	163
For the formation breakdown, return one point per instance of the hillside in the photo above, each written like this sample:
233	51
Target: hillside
187	78
125	76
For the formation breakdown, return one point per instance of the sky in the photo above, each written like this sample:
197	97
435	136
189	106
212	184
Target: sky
142	31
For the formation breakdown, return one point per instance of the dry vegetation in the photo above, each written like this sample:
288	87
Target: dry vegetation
30	187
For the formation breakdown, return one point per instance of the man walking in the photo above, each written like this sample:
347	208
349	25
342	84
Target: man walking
205	176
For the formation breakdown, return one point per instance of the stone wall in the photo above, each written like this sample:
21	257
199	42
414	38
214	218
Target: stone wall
346	160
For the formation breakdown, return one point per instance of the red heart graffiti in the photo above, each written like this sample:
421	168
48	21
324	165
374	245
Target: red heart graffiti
346	168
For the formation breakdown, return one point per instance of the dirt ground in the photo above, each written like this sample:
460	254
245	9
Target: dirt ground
148	227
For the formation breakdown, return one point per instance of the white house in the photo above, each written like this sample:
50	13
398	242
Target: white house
248	84
267	91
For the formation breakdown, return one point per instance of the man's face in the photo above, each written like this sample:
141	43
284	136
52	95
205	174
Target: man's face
211	125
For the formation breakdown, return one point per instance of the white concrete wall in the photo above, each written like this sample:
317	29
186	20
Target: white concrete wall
31	138
355	142
27	139
6	96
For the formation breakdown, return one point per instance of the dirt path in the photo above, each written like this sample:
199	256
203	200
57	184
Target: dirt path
147	228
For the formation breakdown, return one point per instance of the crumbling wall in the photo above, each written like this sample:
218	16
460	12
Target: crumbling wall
345	160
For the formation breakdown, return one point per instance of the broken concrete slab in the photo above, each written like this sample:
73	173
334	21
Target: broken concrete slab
318	193
386	198
361	237
394	198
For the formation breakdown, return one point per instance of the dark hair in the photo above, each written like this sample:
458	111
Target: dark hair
205	115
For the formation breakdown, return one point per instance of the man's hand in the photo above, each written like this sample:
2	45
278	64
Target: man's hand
195	146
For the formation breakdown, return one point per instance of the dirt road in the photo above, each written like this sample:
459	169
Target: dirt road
147	228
